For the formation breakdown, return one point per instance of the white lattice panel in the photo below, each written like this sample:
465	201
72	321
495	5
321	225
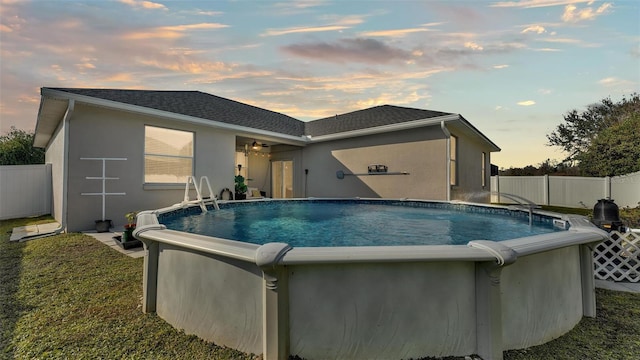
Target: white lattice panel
618	258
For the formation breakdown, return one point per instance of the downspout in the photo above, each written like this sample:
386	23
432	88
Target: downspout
448	162
65	162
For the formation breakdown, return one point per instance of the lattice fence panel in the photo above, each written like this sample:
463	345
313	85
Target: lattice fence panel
618	258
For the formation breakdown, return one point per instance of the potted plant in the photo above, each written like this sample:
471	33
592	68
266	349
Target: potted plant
241	188
103	225
127	234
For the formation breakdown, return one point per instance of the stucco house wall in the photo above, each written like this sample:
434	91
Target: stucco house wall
104	133
420	152
469	186
109	123
54	155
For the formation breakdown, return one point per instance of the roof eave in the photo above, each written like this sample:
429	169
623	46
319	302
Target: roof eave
385	128
494	147
43	137
50	114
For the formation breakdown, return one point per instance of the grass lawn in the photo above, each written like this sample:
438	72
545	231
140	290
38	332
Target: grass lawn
69	296
629	216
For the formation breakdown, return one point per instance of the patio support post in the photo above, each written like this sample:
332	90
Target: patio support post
488	310
588	283
150	275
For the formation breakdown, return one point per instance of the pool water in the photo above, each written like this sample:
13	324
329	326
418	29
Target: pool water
318	224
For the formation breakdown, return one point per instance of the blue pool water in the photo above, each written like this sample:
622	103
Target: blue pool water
311	224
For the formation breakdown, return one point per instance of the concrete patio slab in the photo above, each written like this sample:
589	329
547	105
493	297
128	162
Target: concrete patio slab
618	286
24	233
107	239
29	232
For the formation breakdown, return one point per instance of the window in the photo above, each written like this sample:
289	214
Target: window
168	155
484	169
453	160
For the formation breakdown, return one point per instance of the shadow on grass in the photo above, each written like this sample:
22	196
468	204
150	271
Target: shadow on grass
11	254
11	268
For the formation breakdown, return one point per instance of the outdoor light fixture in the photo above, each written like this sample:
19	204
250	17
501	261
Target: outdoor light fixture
256	145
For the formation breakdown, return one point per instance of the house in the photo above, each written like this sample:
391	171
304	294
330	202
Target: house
116	151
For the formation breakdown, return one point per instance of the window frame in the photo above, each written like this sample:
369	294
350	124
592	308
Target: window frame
484	169
453	160
156	184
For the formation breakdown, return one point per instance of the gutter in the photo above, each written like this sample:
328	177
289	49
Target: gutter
384	128
65	162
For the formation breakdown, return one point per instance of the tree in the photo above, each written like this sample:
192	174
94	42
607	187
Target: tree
16	148
580	129
615	151
547	167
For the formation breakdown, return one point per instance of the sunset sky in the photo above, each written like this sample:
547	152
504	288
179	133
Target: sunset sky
512	68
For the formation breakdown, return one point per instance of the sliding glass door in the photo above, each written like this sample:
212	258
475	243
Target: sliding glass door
282	179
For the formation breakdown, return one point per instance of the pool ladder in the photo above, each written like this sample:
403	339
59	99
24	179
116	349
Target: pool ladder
200	200
523	203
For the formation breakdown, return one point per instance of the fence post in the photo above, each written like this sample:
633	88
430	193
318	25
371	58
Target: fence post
545	188
498	188
607	187
48	185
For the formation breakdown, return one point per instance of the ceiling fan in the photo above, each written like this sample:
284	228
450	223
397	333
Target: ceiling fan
258	146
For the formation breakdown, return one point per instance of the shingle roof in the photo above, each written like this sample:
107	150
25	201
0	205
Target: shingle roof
200	105
210	107
368	118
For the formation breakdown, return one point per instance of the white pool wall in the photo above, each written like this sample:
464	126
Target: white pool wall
370	302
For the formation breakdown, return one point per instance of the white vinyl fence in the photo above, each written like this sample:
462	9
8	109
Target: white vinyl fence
568	191
25	190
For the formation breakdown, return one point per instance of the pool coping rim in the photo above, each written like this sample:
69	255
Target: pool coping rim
580	231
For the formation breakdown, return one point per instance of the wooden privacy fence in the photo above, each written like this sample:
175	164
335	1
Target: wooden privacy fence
25	190
568	191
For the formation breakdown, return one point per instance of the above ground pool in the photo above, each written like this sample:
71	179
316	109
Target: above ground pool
359	223
368	278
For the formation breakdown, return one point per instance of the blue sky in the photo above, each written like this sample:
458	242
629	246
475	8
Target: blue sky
512	68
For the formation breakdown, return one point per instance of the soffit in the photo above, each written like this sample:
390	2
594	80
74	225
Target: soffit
461	125
52	111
